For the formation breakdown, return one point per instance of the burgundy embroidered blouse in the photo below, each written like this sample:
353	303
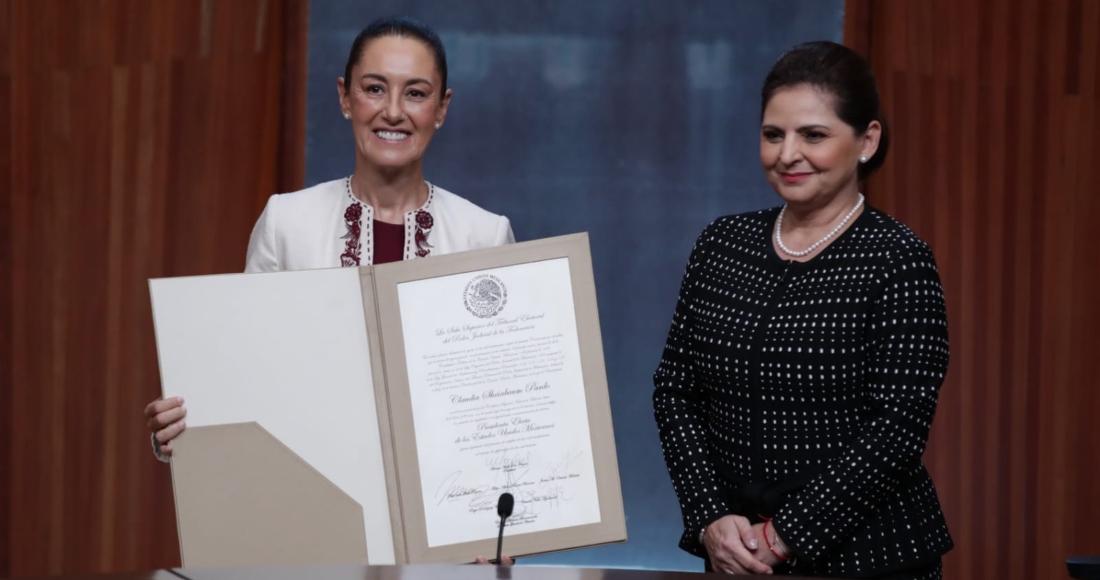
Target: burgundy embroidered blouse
389	242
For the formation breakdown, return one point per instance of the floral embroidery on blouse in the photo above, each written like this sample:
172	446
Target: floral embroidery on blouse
353	246
424	223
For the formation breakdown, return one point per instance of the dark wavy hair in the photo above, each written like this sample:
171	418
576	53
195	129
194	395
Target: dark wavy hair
837	70
399	26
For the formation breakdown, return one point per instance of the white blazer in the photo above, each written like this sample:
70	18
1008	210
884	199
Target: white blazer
311	229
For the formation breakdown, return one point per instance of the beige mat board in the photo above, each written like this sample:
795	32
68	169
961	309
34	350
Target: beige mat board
244	497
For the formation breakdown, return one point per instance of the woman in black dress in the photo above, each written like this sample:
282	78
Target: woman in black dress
808	345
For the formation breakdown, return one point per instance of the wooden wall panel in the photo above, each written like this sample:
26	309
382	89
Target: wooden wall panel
993	107
137	139
6	416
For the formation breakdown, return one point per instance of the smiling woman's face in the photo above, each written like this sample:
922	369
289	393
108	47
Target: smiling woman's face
394	101
810	156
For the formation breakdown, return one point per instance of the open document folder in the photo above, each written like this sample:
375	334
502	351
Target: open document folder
375	414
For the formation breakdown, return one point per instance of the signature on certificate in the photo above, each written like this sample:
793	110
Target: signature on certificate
535	490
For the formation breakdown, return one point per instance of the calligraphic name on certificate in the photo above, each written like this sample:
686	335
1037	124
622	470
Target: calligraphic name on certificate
498	401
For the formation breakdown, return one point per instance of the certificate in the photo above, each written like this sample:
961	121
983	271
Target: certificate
375	415
498	401
495	383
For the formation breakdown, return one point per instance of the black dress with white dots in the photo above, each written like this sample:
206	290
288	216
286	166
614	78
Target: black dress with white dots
804	392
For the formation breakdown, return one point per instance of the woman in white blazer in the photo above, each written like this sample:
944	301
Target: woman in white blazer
325	226
394	94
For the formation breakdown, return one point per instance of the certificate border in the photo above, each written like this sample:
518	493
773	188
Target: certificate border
410	528
381	405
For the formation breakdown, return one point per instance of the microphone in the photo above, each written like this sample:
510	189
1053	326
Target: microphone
504	509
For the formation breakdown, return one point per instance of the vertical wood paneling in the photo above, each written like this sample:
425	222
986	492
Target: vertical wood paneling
292	137
6	269
137	140
994	110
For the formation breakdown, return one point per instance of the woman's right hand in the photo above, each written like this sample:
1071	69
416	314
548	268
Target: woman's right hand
731	543
165	421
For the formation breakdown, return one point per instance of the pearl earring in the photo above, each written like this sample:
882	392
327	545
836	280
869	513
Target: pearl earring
438	125
347	115
863	159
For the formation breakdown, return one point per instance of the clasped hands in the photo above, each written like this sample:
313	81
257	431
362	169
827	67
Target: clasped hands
737	547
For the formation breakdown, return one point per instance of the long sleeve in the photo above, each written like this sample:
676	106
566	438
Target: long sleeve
262	255
681	420
906	361
156	449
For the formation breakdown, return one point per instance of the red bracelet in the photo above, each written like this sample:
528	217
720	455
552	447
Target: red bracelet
768	541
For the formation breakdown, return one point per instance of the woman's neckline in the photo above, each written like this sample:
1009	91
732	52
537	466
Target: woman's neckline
374	211
775	257
424	188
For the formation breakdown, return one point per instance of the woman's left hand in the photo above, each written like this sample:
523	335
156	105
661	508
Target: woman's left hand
504	560
765	555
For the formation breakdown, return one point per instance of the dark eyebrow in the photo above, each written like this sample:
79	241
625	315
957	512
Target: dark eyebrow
410	82
801	129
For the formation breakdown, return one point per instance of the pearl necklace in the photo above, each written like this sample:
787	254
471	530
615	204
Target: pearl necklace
828	236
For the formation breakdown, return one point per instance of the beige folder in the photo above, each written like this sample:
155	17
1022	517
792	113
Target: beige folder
248	498
301	446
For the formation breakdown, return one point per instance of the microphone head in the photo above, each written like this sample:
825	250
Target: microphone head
505	505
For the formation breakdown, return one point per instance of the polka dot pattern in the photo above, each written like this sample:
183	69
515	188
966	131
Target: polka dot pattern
827	370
